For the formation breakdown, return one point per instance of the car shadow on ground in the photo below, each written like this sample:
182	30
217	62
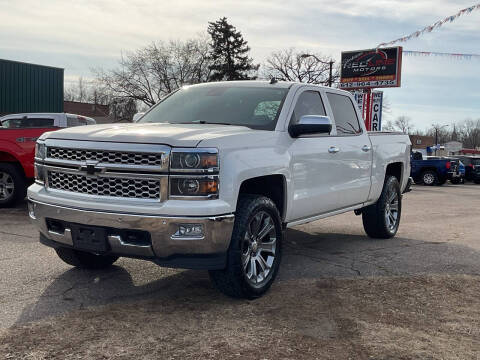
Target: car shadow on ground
306	256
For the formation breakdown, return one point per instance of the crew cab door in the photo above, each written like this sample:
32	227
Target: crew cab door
313	168
354	151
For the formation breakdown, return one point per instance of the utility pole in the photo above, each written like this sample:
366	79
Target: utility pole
437	127
330	63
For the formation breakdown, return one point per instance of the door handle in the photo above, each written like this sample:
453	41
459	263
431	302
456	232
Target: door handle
333	149
366	148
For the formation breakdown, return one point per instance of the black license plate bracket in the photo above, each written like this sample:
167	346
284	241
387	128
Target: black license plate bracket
89	238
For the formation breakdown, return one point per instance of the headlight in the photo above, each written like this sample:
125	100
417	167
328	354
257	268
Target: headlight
194	160
40	150
192	186
39	170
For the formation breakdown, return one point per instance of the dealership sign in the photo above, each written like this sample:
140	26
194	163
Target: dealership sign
374	68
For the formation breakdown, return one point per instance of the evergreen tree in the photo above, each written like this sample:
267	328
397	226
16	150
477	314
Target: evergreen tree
229	53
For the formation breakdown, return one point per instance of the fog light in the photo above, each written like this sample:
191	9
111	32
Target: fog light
186	231
31	210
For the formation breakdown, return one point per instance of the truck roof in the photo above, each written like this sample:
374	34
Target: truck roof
268	84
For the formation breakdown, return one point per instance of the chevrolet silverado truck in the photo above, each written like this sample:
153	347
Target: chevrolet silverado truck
18	134
211	177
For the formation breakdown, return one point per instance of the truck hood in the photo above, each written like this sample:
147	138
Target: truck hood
180	135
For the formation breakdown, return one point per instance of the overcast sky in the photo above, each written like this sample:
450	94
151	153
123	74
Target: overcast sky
79	35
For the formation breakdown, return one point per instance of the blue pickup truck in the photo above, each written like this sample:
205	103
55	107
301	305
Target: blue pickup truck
435	170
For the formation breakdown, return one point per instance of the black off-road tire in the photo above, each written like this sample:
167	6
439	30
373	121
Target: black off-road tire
19	183
373	216
85	260
232	280
431	175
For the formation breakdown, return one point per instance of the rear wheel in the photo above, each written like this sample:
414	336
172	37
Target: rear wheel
84	259
381	220
255	249
12	185
429	178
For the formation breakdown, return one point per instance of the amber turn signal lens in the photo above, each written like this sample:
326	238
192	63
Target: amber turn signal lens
209	161
209	187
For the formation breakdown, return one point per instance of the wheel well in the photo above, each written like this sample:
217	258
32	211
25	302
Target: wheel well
395	169
271	186
6	157
434	169
9	158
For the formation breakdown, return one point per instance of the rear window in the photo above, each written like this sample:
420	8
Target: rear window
76	121
28	123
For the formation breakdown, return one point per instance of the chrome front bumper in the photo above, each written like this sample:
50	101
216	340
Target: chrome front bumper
165	248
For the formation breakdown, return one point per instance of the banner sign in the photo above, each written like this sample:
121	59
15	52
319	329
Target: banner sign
360	98
433	26
377	103
374	68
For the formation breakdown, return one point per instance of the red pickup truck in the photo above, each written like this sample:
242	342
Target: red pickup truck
18	135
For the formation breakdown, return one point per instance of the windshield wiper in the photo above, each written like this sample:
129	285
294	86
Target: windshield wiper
206	122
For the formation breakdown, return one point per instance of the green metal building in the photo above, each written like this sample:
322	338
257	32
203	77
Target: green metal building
26	88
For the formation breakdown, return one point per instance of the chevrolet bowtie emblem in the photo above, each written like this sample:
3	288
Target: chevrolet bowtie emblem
91	168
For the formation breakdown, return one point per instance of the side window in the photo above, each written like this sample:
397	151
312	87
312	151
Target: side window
28	123
308	103
344	114
39	122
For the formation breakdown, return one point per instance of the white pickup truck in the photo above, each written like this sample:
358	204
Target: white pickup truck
212	176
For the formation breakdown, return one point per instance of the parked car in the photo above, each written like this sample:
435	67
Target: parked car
18	134
434	170
472	166
211	177
475	166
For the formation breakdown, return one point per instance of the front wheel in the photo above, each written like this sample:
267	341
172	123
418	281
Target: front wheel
12	185
381	220
255	249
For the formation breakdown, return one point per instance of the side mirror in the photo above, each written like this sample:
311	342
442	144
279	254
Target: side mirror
137	116
311	124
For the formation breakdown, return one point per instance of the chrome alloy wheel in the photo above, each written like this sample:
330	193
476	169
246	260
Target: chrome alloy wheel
391	209
6	186
258	248
428	178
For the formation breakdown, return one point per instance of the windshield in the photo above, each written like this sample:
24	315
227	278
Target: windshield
255	107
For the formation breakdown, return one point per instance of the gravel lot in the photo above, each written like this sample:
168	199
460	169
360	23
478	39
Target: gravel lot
339	295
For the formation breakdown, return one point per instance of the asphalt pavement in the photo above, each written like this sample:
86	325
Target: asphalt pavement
439	234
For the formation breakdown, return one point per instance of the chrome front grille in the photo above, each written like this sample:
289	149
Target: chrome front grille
121	171
105	186
104	156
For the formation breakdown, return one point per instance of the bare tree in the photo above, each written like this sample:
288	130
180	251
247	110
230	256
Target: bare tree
87	91
150	73
293	65
469	133
123	108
